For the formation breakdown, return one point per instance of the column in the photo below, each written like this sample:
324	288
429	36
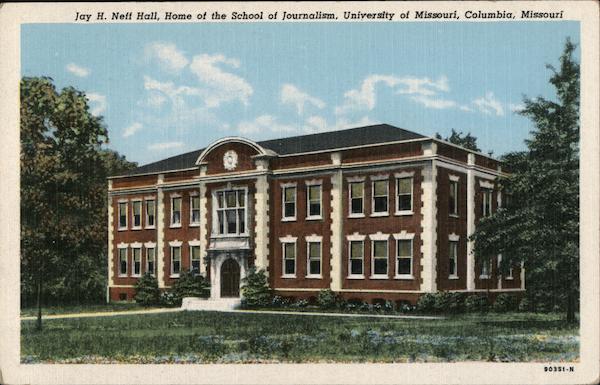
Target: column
203	230
262	222
470	222
337	220
160	233
110	281
429	221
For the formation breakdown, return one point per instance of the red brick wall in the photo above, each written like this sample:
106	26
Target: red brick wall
134	181
452	152
244	160
309	160
390	151
180	176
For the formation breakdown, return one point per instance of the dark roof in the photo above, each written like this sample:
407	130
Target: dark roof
360	136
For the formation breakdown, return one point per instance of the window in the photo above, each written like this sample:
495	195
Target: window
194	209
486	207
314	259
195	259
404	188
122	215
150	260
379	252
485	269
289	259
452	259
150	213
231	212
404	258
314	201
176	212
122	262
357	193
453	198
289	203
137	261
510	276
357	249
175	261
380	197
137	215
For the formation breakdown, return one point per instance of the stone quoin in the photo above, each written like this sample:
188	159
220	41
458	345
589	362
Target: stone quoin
373	213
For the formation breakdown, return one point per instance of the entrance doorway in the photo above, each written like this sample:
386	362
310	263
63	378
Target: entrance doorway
230	279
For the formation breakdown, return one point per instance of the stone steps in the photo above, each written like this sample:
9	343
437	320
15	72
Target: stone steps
194	303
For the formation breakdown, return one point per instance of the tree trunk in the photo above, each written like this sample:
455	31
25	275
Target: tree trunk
38	325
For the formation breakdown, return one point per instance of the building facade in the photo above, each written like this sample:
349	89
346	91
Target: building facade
373	213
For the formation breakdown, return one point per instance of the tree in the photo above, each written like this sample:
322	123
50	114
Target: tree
63	194
540	226
190	285
147	292
255	289
467	141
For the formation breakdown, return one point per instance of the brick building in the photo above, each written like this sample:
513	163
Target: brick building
373	213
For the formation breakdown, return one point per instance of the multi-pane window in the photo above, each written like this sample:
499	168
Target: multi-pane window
452	259
150	260
289	202
357	193
485	268
231	212
510	273
150	213
357	249
289	259
380	258
314	201
123	261
122	215
380	197
195	259
195	209
486	203
404	188
314	258
137	214
137	261
175	260
176	211
453	198
404	257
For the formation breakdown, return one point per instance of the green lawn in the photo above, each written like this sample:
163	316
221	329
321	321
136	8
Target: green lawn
70	309
198	337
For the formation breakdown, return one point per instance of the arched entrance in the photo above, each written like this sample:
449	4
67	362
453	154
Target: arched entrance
230	278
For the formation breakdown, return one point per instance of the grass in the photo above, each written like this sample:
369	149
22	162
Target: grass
210	337
71	309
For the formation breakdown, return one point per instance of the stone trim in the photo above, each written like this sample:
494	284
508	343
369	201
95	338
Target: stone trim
470	223
110	218
160	234
261	231
336	231
203	228
486	184
429	225
379	236
404	174
403	235
150	245
355	179
454	178
355	237
453	237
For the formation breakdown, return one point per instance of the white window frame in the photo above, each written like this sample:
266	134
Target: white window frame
133	204
510	276
285	186
355	181
126	203
284	241
216	209
192	197
310	240
404	236
454	182
150	246
193	245
173	197
405	175
134	247
380	178
309	184
487	196
175	245
350	239
146	217
488	264
380	238
453	240
123	246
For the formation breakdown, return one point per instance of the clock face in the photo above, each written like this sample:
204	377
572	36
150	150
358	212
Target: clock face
230	160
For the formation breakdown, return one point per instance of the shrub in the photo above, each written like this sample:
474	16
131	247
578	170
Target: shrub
524	305
167	298
146	290
406	307
279	301
505	302
476	303
388	306
364	307
327	299
255	289
190	285
301	303
426	303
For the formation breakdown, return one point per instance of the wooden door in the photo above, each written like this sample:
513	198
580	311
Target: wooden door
230	279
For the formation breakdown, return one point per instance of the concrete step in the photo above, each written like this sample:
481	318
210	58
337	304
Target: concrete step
194	303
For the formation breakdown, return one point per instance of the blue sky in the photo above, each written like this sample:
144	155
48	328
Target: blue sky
165	89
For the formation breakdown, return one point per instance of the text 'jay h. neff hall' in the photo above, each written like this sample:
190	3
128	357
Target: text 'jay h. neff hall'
373	213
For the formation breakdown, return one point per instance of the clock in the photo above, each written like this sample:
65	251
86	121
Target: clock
230	160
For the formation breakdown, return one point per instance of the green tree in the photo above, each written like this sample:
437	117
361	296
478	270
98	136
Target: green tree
63	194
255	289
467	140
147	292
190	285
540	225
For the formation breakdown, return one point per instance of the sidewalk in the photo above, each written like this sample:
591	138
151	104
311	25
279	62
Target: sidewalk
103	314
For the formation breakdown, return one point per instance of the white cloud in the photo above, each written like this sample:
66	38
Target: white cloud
315	124
488	104
164	146
423	86
168	56
132	129
174	93
516	107
155	100
221	86
290	94
466	108
436	103
98	103
76	70
263	123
